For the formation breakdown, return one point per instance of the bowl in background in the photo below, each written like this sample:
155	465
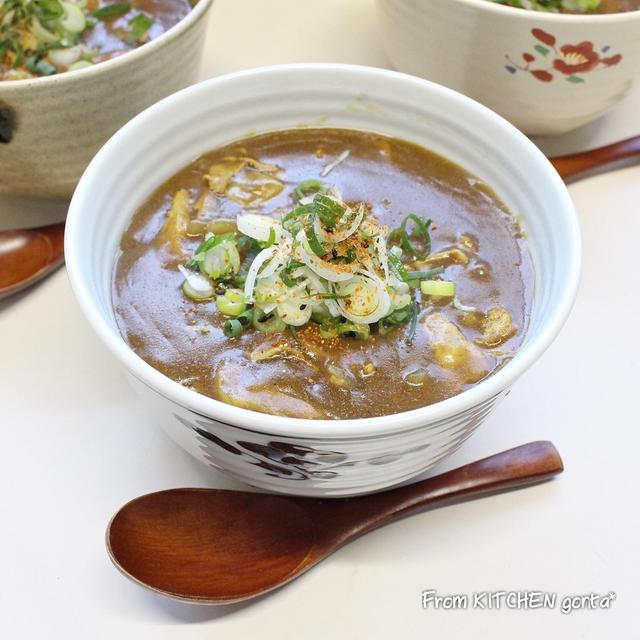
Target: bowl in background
51	127
547	73
291	455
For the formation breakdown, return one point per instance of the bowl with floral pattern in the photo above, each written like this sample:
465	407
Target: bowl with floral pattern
547	73
322	457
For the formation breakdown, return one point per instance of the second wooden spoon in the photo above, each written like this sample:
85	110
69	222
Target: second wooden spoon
28	255
213	546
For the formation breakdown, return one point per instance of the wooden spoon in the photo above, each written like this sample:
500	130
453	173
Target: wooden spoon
212	546
28	255
581	165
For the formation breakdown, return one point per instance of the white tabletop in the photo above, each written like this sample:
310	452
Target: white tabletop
77	444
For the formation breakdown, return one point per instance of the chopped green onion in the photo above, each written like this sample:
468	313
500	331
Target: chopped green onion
413	324
298	212
422	226
294	333
411	276
285	273
233	328
232	303
201	249
250	248
112	11
267	323
292	221
329	327
396	318
331	296
140	26
438	288
333	327
307	187
271	240
424	275
314	244
328	210
320	314
404	237
49	9
354	330
217	257
246	318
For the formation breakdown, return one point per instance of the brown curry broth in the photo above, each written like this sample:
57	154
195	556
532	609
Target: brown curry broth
108	36
185	341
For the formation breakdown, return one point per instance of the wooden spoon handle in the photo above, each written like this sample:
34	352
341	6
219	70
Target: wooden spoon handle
579	165
527	464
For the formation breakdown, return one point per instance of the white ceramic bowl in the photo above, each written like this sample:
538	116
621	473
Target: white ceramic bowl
51	127
319	457
546	73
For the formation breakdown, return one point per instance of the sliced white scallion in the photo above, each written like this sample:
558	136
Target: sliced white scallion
331	166
295	312
42	34
259	227
73	19
327	270
365	299
317	287
221	260
65	57
196	286
252	275
338	235
280	257
462	307
381	249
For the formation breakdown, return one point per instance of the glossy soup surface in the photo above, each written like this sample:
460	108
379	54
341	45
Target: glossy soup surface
26	53
340	377
108	37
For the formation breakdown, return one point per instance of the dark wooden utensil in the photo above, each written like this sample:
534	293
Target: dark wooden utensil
212	546
28	255
581	165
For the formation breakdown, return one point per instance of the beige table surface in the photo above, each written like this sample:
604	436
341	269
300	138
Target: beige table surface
76	444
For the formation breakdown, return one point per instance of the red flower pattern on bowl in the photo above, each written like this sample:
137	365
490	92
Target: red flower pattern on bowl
570	59
576	58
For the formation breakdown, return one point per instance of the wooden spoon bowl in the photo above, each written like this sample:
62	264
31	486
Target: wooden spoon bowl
28	255
213	546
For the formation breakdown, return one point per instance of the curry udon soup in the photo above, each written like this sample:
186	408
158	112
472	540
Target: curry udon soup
587	7
323	273
45	37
